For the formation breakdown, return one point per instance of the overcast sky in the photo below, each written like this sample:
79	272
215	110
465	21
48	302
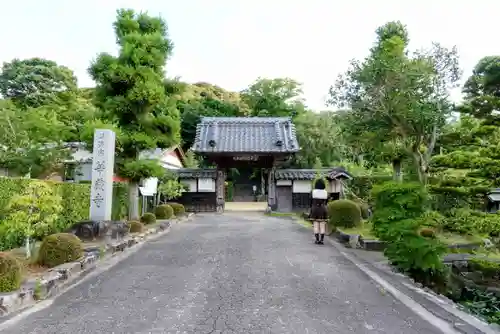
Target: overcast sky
232	42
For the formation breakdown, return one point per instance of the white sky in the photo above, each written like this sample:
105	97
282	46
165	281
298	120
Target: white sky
231	43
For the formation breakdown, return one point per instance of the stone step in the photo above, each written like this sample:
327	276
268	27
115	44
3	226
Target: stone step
245	206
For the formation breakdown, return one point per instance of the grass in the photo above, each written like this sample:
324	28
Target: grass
365	230
282	214
458	239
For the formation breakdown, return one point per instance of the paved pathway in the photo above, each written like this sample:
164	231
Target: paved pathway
236	273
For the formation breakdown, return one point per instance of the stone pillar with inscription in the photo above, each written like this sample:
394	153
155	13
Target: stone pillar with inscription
103	159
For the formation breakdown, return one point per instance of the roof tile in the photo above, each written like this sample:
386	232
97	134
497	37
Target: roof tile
245	134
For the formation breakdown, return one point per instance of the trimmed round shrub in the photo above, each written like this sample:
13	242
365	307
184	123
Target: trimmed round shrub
148	218
179	209
427	232
10	273
59	248
344	213
135	226
365	210
164	211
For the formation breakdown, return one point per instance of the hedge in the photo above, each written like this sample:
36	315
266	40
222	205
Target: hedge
75	198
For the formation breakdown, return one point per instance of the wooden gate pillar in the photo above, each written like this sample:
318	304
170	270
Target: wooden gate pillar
219	190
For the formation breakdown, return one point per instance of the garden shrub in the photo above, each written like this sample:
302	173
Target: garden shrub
135	226
489	269
365	209
120	201
164	211
344	213
148	218
10	273
467	221
59	248
179	209
400	211
75	202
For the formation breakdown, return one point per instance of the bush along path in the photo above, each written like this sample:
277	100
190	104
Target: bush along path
69	259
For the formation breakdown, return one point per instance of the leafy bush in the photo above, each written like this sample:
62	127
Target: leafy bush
10	273
344	213
35	210
59	248
365	209
489	269
164	211
466	221
74	201
400	212
135	226
120	201
148	218
179	209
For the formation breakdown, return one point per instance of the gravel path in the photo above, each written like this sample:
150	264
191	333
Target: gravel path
235	273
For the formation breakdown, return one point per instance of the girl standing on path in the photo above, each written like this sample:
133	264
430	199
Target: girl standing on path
319	213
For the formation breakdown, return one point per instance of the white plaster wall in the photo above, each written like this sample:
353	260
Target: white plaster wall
283	182
335	186
83	172
302	186
206	185
192	185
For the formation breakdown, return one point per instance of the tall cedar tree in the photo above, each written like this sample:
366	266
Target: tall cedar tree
130	91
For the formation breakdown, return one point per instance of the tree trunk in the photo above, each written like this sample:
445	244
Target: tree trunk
420	167
133	199
396	170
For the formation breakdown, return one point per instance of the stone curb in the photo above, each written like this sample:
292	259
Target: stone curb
435	306
56	279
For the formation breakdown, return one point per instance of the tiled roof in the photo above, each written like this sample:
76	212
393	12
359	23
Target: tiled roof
310	174
193	173
245	134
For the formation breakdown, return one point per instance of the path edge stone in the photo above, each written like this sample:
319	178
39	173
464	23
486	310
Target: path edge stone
57	279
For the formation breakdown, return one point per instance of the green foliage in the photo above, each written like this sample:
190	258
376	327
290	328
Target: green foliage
344	213
34	211
178	208
120	201
398	201
400	212
229	191
59	248
170	187
31	139
10	273
74	204
191	161
274	97
135	226
489	269
164	211
35	82
361	186
398	98
481	303
466	221
131	93
148	218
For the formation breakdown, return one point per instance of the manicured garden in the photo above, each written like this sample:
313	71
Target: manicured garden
35	225
418	240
